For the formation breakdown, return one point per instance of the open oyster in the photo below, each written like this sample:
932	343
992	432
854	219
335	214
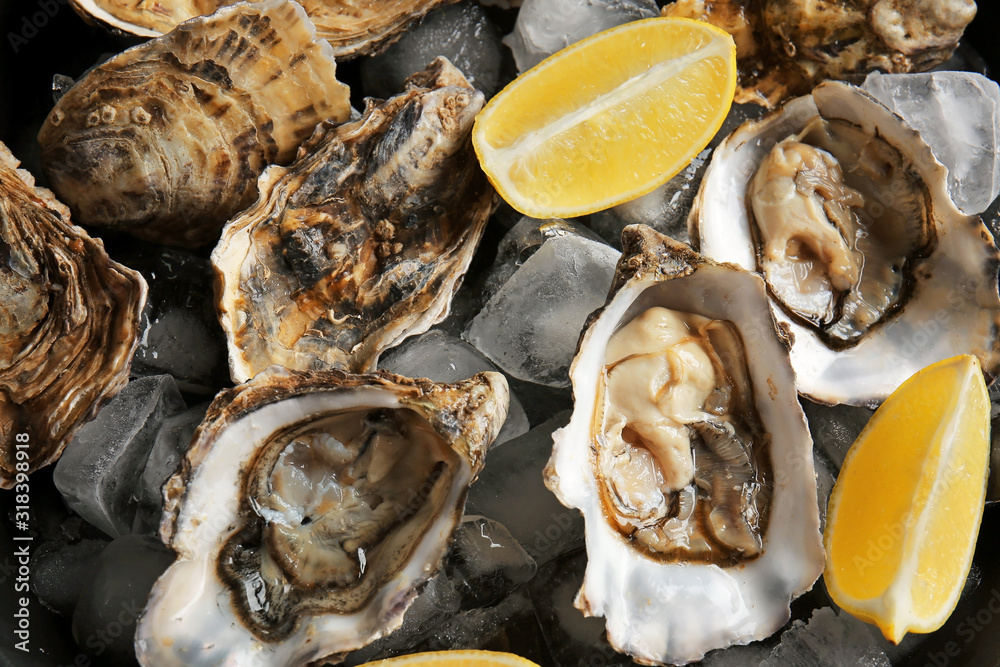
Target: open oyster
166	140
689	456
872	271
363	240
785	47
352	27
69	323
307	512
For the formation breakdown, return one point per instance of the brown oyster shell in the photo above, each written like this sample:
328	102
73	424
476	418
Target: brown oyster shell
352	27
363	240
69	323
166	140
214	522
786	47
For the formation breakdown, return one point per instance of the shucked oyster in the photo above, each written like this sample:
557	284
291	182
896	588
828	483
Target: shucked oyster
69	322
785	47
363	240
309	509
689	456
352	27
871	269
166	140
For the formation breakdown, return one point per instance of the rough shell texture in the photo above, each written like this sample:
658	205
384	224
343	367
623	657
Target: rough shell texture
69	323
166	140
953	306
785	47
363	240
352	27
194	618
663	612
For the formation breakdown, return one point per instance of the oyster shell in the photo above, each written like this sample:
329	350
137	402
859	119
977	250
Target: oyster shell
69	323
352	27
873	272
309	509
689	456
363	240
785	47
166	140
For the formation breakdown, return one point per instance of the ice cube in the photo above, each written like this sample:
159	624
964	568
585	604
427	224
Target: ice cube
540	402
100	467
521	241
60	570
169	446
958	115
463	33
508	626
546	26
531	326
572	638
441	357
510	490
826	476
486	563
181	333
830	639
43	639
666	208
113	599
834	428
740	655
437	602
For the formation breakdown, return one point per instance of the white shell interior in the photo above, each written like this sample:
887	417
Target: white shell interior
954	311
675	612
190	619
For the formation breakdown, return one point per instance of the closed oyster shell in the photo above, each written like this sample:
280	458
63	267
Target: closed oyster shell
363	240
69	323
308	511
669	603
166	140
785	47
352	27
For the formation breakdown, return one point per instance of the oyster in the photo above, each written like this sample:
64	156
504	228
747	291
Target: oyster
166	140
307	512
363	240
352	27
872	271
69	323
785	47
689	456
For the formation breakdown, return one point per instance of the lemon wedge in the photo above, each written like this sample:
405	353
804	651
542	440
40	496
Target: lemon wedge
468	658
609	118
904	513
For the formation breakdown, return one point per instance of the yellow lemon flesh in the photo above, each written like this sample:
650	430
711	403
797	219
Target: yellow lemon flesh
609	118
455	659
904	513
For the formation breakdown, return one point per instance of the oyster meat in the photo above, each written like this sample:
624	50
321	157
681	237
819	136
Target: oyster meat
69	323
363	240
352	27
785	47
166	140
689	456
307	512
873	272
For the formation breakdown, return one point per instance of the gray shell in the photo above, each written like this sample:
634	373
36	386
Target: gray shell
166	140
363	240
